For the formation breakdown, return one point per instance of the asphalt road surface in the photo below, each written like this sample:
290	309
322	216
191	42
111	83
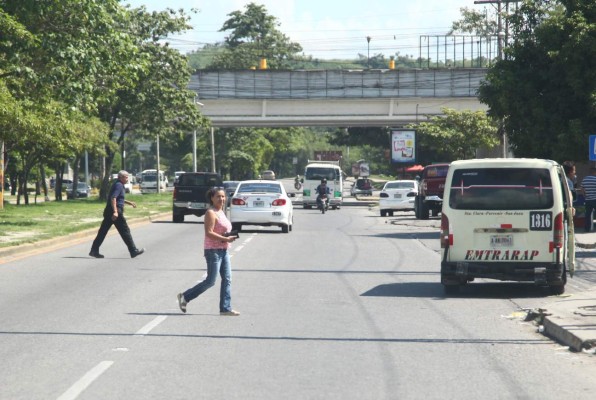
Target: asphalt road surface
347	306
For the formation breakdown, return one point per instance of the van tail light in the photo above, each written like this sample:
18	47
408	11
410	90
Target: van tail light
238	202
558	233
279	202
175	195
446	236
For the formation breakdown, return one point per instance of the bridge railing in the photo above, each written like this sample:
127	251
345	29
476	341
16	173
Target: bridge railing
317	84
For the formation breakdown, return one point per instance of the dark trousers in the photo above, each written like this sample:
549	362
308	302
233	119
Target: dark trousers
590	205
120	224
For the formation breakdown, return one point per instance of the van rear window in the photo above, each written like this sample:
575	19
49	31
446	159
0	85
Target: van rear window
501	189
316	173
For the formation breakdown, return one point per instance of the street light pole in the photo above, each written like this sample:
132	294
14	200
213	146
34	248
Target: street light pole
368	52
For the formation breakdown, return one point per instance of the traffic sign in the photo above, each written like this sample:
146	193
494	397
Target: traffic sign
592	147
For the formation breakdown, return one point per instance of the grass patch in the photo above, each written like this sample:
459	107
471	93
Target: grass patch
34	222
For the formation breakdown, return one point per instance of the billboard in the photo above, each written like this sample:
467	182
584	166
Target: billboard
403	146
328	155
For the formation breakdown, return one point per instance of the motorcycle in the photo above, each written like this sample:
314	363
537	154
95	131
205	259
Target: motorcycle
297	184
323	203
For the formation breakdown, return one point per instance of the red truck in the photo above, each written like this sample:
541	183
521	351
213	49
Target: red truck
430	191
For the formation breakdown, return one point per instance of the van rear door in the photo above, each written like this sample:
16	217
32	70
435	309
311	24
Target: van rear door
508	215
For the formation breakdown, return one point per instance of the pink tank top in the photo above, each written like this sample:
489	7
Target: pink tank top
222	225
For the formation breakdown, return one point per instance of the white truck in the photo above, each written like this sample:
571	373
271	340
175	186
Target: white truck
313	173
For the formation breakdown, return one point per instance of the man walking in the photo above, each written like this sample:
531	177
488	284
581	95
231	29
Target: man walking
114	214
588	187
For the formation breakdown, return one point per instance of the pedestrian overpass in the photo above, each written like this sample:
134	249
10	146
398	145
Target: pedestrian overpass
343	98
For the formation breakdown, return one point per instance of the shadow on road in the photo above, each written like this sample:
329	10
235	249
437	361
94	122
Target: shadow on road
435	290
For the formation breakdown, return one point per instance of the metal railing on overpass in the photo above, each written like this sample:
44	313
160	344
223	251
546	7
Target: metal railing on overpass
337	84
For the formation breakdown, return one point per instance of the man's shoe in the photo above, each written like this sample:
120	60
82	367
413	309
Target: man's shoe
95	253
181	302
137	252
231	313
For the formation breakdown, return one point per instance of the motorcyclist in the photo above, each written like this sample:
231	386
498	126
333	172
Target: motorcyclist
323	192
297	183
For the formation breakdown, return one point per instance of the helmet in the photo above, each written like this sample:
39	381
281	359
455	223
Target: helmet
323	180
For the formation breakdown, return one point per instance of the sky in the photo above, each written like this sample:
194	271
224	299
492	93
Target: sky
326	29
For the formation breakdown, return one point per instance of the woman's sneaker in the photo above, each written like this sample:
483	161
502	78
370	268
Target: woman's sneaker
181	302
231	313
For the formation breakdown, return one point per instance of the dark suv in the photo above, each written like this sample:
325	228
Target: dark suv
190	194
430	191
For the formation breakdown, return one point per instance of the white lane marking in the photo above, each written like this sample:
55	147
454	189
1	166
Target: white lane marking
237	249
149	327
75	390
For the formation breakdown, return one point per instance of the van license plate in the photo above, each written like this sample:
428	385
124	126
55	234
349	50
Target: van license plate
258	204
501	240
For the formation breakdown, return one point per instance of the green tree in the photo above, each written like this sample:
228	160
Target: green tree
456	135
475	22
254	35
545	87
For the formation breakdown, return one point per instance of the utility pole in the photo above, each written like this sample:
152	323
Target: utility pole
500	34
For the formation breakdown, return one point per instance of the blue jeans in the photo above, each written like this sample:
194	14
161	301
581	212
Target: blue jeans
217	260
590	206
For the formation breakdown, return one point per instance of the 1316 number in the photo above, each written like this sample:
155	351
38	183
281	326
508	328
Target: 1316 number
541	221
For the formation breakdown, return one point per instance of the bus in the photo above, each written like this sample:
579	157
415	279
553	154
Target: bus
313	173
149	181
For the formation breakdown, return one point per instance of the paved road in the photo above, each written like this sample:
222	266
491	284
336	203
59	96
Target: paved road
347	306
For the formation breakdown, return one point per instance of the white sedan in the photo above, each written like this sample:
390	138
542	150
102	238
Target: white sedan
260	202
397	196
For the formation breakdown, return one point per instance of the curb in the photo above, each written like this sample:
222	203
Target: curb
66	239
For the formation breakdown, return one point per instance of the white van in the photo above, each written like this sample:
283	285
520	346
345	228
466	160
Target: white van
149	181
507	219
313	173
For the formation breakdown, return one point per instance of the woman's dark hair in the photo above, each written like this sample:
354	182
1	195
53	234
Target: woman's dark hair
211	192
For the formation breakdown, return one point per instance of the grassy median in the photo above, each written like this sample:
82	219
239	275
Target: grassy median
34	222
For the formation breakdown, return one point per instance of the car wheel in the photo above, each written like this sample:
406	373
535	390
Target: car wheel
383	213
451	289
237	227
391	213
285	228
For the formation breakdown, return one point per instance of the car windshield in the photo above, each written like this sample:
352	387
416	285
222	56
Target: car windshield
230	184
81	185
501	189
399	185
315	173
259	188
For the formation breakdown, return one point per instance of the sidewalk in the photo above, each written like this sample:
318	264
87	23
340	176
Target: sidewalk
572	320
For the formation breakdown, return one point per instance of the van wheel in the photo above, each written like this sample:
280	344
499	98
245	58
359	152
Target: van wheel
383	213
178	218
557	290
391	213
237	227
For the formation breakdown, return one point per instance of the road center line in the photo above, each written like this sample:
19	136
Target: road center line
75	390
147	328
